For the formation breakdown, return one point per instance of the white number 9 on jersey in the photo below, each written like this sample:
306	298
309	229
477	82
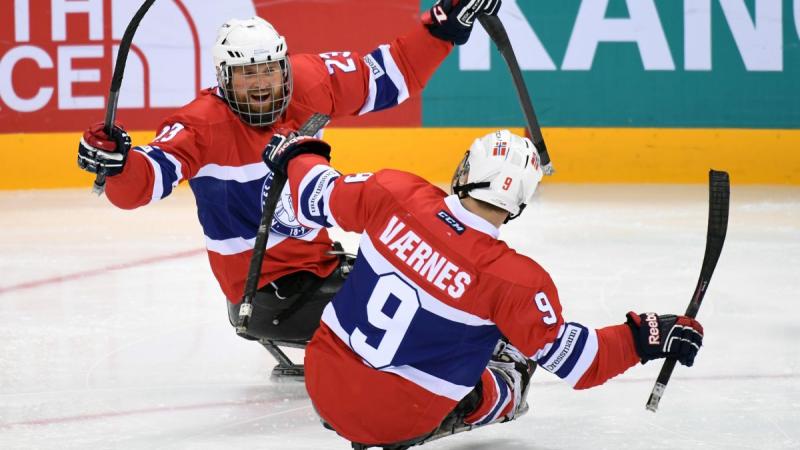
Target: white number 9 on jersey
395	326
543	304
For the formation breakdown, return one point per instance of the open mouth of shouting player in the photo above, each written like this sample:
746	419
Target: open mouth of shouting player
259	91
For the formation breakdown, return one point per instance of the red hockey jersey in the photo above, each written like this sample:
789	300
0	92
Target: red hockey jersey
432	290
206	144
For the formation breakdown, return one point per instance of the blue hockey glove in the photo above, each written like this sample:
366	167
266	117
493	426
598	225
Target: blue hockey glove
452	20
97	153
662	336
286	144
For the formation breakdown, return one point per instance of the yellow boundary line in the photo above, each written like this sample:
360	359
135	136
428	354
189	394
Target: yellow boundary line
580	155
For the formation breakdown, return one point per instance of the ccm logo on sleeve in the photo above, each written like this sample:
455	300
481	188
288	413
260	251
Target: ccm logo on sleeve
451	222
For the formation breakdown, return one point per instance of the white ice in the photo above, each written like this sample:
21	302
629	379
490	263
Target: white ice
114	334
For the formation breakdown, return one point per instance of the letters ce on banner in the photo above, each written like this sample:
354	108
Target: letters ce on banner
57	58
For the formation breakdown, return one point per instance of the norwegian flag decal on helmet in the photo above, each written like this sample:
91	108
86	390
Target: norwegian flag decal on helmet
500	148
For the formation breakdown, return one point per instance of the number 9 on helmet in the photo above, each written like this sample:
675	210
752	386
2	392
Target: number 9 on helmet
501	169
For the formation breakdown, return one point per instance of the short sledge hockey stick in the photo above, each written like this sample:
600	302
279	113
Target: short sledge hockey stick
497	32
310	128
116	82
285	365
718	205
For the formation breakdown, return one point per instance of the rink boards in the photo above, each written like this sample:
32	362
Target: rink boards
580	155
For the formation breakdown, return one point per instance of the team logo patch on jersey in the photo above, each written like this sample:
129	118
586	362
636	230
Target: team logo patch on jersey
284	222
451	222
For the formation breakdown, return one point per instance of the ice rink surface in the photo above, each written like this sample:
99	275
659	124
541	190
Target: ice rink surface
114	334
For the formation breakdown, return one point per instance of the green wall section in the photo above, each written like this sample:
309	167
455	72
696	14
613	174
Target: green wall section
749	76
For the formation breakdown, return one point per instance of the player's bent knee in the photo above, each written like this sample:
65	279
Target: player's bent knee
289	309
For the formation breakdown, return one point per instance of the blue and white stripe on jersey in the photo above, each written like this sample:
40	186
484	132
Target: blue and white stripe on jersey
242	174
166	168
571	353
315	197
429	349
219	190
387	86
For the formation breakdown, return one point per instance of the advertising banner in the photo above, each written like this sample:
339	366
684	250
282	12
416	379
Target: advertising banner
631	63
659	63
57	56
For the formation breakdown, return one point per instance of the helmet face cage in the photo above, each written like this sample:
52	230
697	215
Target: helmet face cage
255	91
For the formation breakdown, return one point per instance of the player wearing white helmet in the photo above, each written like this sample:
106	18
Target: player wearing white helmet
253	72
214	143
501	169
440	324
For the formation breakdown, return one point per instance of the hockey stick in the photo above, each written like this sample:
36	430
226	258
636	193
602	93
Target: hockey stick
116	82
497	32
311	127
285	365
718	203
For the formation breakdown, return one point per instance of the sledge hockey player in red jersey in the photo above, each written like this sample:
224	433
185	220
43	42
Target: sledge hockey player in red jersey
439	324
215	144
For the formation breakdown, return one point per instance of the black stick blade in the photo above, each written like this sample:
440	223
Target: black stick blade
719	194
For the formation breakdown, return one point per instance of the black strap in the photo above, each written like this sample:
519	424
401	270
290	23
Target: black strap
464	188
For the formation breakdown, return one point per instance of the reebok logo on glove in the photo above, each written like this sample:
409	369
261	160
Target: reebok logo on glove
665	335
655	335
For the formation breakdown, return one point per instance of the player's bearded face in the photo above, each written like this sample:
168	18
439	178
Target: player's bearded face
258	88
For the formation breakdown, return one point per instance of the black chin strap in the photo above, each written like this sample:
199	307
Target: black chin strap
514	216
462	190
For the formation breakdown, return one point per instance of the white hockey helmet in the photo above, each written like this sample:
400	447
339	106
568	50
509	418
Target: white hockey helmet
501	169
252	42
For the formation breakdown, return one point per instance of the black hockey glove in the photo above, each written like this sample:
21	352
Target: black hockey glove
666	336
286	145
97	153
452	20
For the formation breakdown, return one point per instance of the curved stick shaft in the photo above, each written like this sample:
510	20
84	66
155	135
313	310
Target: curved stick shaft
116	82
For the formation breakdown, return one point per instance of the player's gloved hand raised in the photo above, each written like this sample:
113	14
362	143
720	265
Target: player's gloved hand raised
452	20
286	144
99	153
661	336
